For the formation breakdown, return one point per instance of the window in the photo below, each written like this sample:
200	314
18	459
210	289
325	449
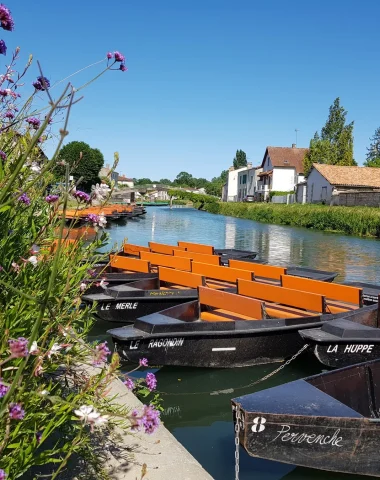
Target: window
244	179
239	180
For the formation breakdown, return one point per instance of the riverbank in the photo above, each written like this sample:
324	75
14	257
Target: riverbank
163	456
361	221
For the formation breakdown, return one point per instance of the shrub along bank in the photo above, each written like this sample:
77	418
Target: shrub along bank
362	221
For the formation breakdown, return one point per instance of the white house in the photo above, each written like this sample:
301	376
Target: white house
232	183
123	180
325	181
282	170
247	182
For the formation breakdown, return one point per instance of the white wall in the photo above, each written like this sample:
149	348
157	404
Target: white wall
267	164
283	179
232	184
318	188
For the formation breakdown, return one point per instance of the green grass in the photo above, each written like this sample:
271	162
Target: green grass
361	221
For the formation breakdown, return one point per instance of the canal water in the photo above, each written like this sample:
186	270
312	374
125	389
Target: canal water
197	401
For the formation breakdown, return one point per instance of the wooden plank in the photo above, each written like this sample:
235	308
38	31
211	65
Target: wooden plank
135	250
334	291
221	273
231	302
282	295
163	248
197	247
260	270
131	264
198	257
180	277
180	263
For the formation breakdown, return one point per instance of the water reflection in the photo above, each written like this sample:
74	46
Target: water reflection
202	422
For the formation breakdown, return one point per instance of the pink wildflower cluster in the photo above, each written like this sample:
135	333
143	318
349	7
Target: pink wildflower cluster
97	220
3	475
119	57
42	83
6	19
16	412
81	196
148	420
129	383
23	198
19	347
51	198
100	354
151	381
3	389
34	122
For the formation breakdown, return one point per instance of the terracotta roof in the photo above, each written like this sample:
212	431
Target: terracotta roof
286	157
123	178
350	176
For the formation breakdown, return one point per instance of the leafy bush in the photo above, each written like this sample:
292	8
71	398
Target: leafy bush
278	193
362	221
49	410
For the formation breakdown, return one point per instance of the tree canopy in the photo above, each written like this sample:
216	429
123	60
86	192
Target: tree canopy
84	161
373	151
240	159
335	144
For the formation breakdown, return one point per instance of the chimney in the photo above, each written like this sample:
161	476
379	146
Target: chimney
249	164
231	169
294	145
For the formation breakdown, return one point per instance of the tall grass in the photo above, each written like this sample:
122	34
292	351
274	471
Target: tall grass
361	221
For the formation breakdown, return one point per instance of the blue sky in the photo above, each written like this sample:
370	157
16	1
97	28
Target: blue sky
207	77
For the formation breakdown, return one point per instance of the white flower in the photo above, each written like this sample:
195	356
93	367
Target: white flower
44	392
34	348
99	192
35	167
103	283
54	350
102	221
88	414
83	287
33	260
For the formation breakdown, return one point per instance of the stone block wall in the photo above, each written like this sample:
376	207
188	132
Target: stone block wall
362	199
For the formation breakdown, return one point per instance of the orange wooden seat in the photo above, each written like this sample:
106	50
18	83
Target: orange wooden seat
283	302
180	277
225	274
162	248
135	250
339	298
260	270
129	264
180	263
228	306
198	257
197	247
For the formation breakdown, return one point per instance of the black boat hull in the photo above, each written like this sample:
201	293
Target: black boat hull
114	279
336	355
126	310
211	351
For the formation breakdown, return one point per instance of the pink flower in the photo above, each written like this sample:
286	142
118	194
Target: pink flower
143	362
3	389
129	383
3	475
151	381
109	55
100	355
119	57
19	347
16	412
149	419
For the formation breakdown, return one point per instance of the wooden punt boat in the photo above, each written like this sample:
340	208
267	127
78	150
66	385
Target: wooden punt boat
349	340
125	303
328	421
257	325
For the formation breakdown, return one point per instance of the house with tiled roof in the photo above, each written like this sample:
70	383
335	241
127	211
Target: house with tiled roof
282	170
325	181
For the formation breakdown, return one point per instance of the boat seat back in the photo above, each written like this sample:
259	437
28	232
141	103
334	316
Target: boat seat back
216	272
180	263
135	250
281	295
259	269
334	291
197	247
179	277
130	264
199	257
162	248
230	302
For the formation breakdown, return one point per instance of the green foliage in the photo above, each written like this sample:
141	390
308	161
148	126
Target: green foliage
142	181
196	198
184	179
335	144
165	181
361	221
84	161
240	159
278	193
373	152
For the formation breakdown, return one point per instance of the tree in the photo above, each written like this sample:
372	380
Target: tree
184	179
143	181
165	181
335	144
240	159
373	152
201	182
85	162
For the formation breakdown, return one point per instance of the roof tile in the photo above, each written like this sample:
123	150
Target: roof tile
350	176
286	157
